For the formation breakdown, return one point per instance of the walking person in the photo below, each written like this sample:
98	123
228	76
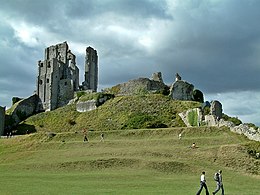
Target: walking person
102	137
203	184
85	133
218	179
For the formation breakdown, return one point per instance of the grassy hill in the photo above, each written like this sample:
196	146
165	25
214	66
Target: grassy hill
134	158
123	112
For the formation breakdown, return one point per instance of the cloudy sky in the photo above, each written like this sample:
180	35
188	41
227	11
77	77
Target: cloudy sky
213	44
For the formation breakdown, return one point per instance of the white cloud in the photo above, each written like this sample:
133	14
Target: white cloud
27	34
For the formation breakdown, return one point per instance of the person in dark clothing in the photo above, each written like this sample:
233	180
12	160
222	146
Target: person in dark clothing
85	132
218	179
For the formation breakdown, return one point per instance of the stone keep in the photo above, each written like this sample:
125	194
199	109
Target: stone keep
58	77
91	70
2	120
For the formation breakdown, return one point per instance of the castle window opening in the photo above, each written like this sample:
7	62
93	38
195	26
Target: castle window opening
41	64
49	64
48	80
40	82
65	83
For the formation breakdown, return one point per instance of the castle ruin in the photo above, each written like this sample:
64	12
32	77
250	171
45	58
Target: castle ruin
58	76
91	70
2	120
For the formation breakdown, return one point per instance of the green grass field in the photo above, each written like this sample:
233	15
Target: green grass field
139	161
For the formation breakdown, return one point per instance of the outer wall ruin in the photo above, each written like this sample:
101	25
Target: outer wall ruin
2	120
58	76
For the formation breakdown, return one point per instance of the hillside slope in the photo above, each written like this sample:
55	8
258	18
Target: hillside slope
123	112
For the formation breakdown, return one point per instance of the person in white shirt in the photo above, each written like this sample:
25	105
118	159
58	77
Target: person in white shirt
219	182
203	184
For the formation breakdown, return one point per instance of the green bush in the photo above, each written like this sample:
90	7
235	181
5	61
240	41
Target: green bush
15	99
80	93
252	125
198	96
138	121
193	118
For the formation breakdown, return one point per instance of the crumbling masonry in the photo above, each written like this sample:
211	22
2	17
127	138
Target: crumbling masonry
58	76
2	120
91	70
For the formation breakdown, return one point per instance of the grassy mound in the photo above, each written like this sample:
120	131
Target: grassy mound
125	112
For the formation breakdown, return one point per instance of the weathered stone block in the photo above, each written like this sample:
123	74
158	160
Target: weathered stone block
182	90
86	106
192	117
216	109
2	120
22	110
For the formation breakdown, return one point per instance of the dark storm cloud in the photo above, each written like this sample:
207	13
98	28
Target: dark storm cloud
37	12
127	8
213	44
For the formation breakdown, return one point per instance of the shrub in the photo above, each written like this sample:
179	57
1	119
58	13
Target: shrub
15	99
193	118
138	121
252	125
80	93
165	91
71	122
198	96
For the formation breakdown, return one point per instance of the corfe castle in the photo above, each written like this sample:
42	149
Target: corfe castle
58	80
58	76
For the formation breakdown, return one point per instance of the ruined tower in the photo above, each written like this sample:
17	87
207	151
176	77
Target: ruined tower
58	77
91	70
2	120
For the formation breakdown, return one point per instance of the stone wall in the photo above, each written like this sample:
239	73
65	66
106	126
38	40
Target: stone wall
139	86
243	129
85	106
157	76
91	70
216	109
249	132
2	120
192	117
